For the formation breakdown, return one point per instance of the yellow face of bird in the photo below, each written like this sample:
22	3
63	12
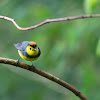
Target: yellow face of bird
32	50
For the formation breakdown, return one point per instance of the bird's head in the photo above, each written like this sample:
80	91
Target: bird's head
32	49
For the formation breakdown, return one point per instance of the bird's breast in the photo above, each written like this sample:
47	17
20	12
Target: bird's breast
27	57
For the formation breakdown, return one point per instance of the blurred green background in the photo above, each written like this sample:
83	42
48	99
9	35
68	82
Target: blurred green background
68	49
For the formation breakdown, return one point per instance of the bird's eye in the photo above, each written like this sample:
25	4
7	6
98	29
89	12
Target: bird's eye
30	48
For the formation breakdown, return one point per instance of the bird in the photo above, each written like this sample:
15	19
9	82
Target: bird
28	50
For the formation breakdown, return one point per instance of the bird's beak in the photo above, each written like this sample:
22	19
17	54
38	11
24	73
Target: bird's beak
35	49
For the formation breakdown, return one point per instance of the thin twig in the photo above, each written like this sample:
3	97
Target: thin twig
47	21
44	74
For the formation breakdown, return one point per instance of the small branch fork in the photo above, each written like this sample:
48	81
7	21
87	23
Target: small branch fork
47	21
44	74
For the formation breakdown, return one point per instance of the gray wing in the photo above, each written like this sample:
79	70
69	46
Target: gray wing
22	45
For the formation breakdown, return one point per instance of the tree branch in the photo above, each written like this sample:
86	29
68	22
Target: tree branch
47	21
44	74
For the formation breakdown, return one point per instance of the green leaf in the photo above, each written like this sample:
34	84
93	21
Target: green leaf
89	5
98	48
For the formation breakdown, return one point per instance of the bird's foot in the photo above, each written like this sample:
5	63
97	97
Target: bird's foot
31	67
17	62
